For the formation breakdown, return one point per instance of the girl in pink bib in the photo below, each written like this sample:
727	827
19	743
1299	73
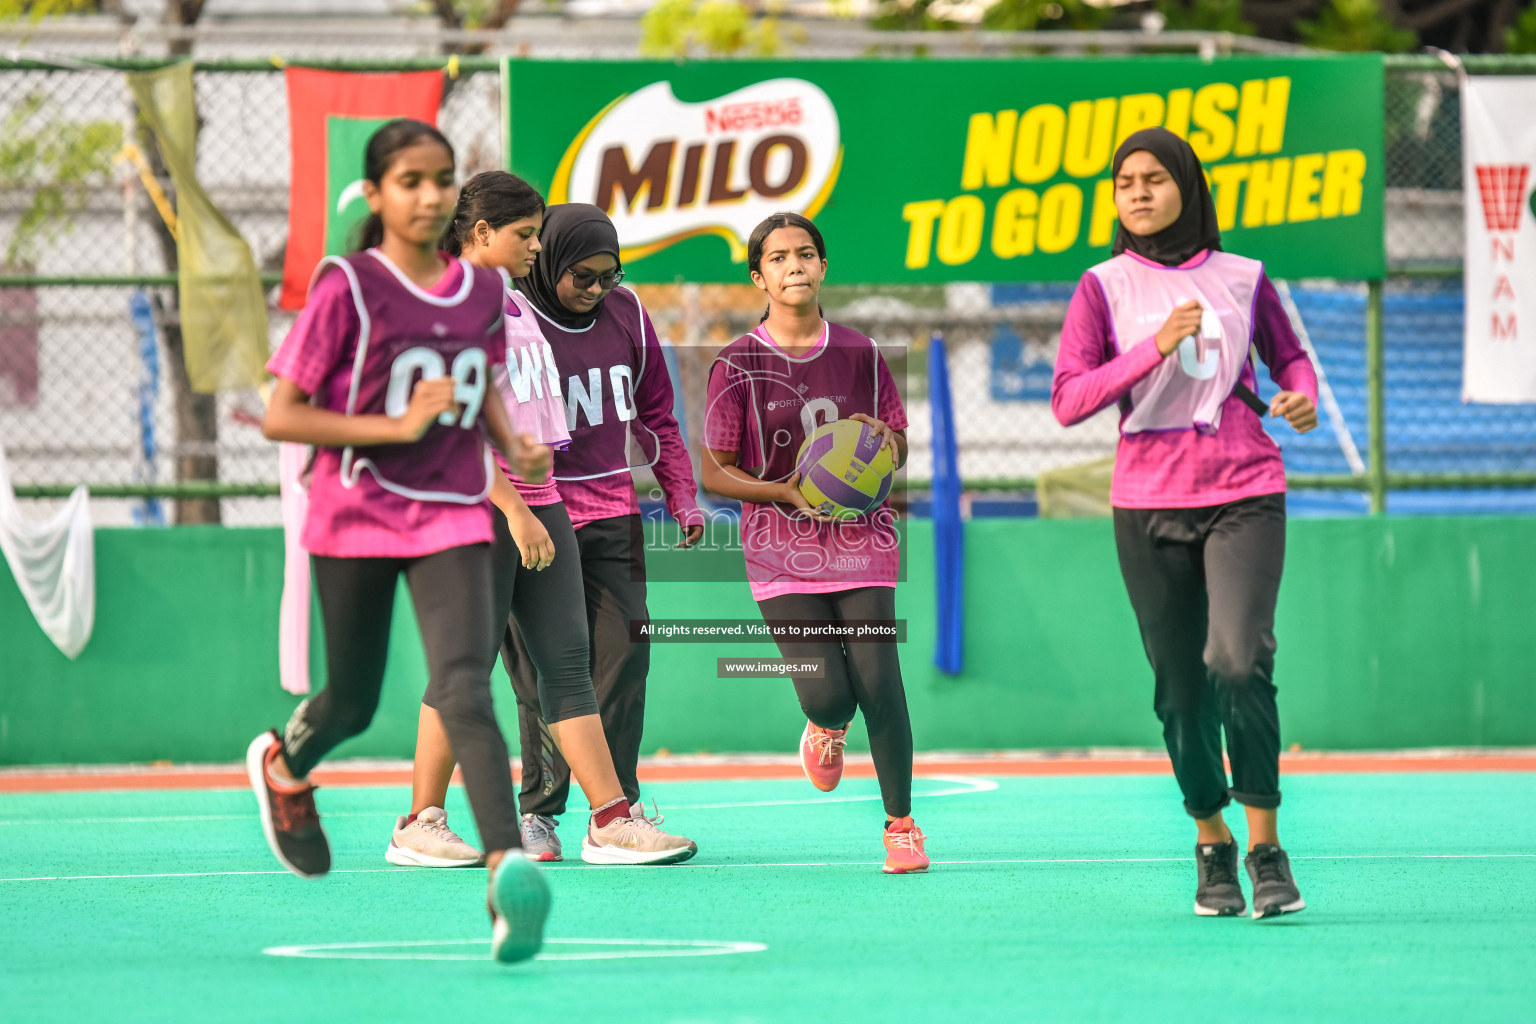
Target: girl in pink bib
1164	329
768	391
387	374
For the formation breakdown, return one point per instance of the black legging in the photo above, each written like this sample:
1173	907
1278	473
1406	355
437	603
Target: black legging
1204	582
611	595
451	592
547	606
859	677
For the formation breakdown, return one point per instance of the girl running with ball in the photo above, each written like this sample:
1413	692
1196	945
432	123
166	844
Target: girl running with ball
768	392
387	374
1163	329
538	576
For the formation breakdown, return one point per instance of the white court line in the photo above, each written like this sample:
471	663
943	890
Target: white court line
695	866
648	949
964	784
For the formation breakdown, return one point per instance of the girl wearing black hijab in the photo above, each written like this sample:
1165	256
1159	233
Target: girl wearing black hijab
619	411
1198	492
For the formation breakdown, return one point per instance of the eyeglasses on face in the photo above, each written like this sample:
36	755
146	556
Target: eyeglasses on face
585	279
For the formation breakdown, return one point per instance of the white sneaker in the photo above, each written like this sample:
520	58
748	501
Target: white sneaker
634	840
539	840
428	842
637	810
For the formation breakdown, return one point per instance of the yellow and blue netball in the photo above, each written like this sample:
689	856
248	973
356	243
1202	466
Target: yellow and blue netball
844	469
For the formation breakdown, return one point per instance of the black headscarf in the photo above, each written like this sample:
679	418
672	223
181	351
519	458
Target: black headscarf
571	233
1196	227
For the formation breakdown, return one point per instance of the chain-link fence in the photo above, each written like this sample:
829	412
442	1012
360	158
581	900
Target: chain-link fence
89	393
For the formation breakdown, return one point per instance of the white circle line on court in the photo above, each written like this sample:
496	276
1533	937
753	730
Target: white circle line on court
419	949
697	866
962	785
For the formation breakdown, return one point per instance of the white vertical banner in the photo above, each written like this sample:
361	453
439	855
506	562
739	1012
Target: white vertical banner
1499	176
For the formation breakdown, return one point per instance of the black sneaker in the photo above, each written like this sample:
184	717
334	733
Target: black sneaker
1274	890
290	821
1218	894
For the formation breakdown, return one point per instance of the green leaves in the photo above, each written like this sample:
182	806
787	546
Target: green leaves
58	160
1521	37
1356	26
1205	16
672	27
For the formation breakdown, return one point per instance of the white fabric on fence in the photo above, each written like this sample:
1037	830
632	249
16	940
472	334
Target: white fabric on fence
293	612
54	563
1499	178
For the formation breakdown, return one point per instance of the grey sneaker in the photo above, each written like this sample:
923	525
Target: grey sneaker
428	842
634	840
1218	893
539	840
1274	890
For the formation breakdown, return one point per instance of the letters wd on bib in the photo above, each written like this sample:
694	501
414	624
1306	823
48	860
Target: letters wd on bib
1499	175
952	170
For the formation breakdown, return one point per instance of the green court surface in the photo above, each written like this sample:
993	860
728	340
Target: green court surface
1060	899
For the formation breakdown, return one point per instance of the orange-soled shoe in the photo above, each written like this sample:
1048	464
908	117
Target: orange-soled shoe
904	848
821	755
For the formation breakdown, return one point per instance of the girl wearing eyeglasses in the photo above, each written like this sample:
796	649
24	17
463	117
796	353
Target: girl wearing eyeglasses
618	400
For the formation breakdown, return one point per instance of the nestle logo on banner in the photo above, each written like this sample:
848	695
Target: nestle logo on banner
736	117
666	170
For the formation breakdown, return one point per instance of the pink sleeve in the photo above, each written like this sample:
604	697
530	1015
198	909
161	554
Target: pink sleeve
1275	338
724	411
654	400
319	336
890	410
1087	379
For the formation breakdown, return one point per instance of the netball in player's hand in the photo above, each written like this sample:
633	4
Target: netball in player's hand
1297	409
429	400
888	437
1181	323
789	493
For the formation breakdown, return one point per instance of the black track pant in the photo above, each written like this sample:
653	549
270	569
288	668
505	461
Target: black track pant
611	555
859	677
451	592
1204	582
547	605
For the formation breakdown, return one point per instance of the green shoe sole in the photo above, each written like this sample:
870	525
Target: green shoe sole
520	897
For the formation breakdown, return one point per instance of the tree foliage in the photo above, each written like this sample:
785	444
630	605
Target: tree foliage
1205	16
57	161
1038	15
1521	37
36	10
672	28
1355	25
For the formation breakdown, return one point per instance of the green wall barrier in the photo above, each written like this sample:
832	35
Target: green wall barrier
1393	633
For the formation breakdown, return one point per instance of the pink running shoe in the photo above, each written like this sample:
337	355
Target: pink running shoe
821	755
904	848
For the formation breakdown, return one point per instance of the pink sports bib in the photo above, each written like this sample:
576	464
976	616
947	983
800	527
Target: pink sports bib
1185	392
529	381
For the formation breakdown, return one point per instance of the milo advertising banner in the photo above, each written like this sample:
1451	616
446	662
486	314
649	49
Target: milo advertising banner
920	171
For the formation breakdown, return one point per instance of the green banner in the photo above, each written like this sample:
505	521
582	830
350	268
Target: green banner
920	171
